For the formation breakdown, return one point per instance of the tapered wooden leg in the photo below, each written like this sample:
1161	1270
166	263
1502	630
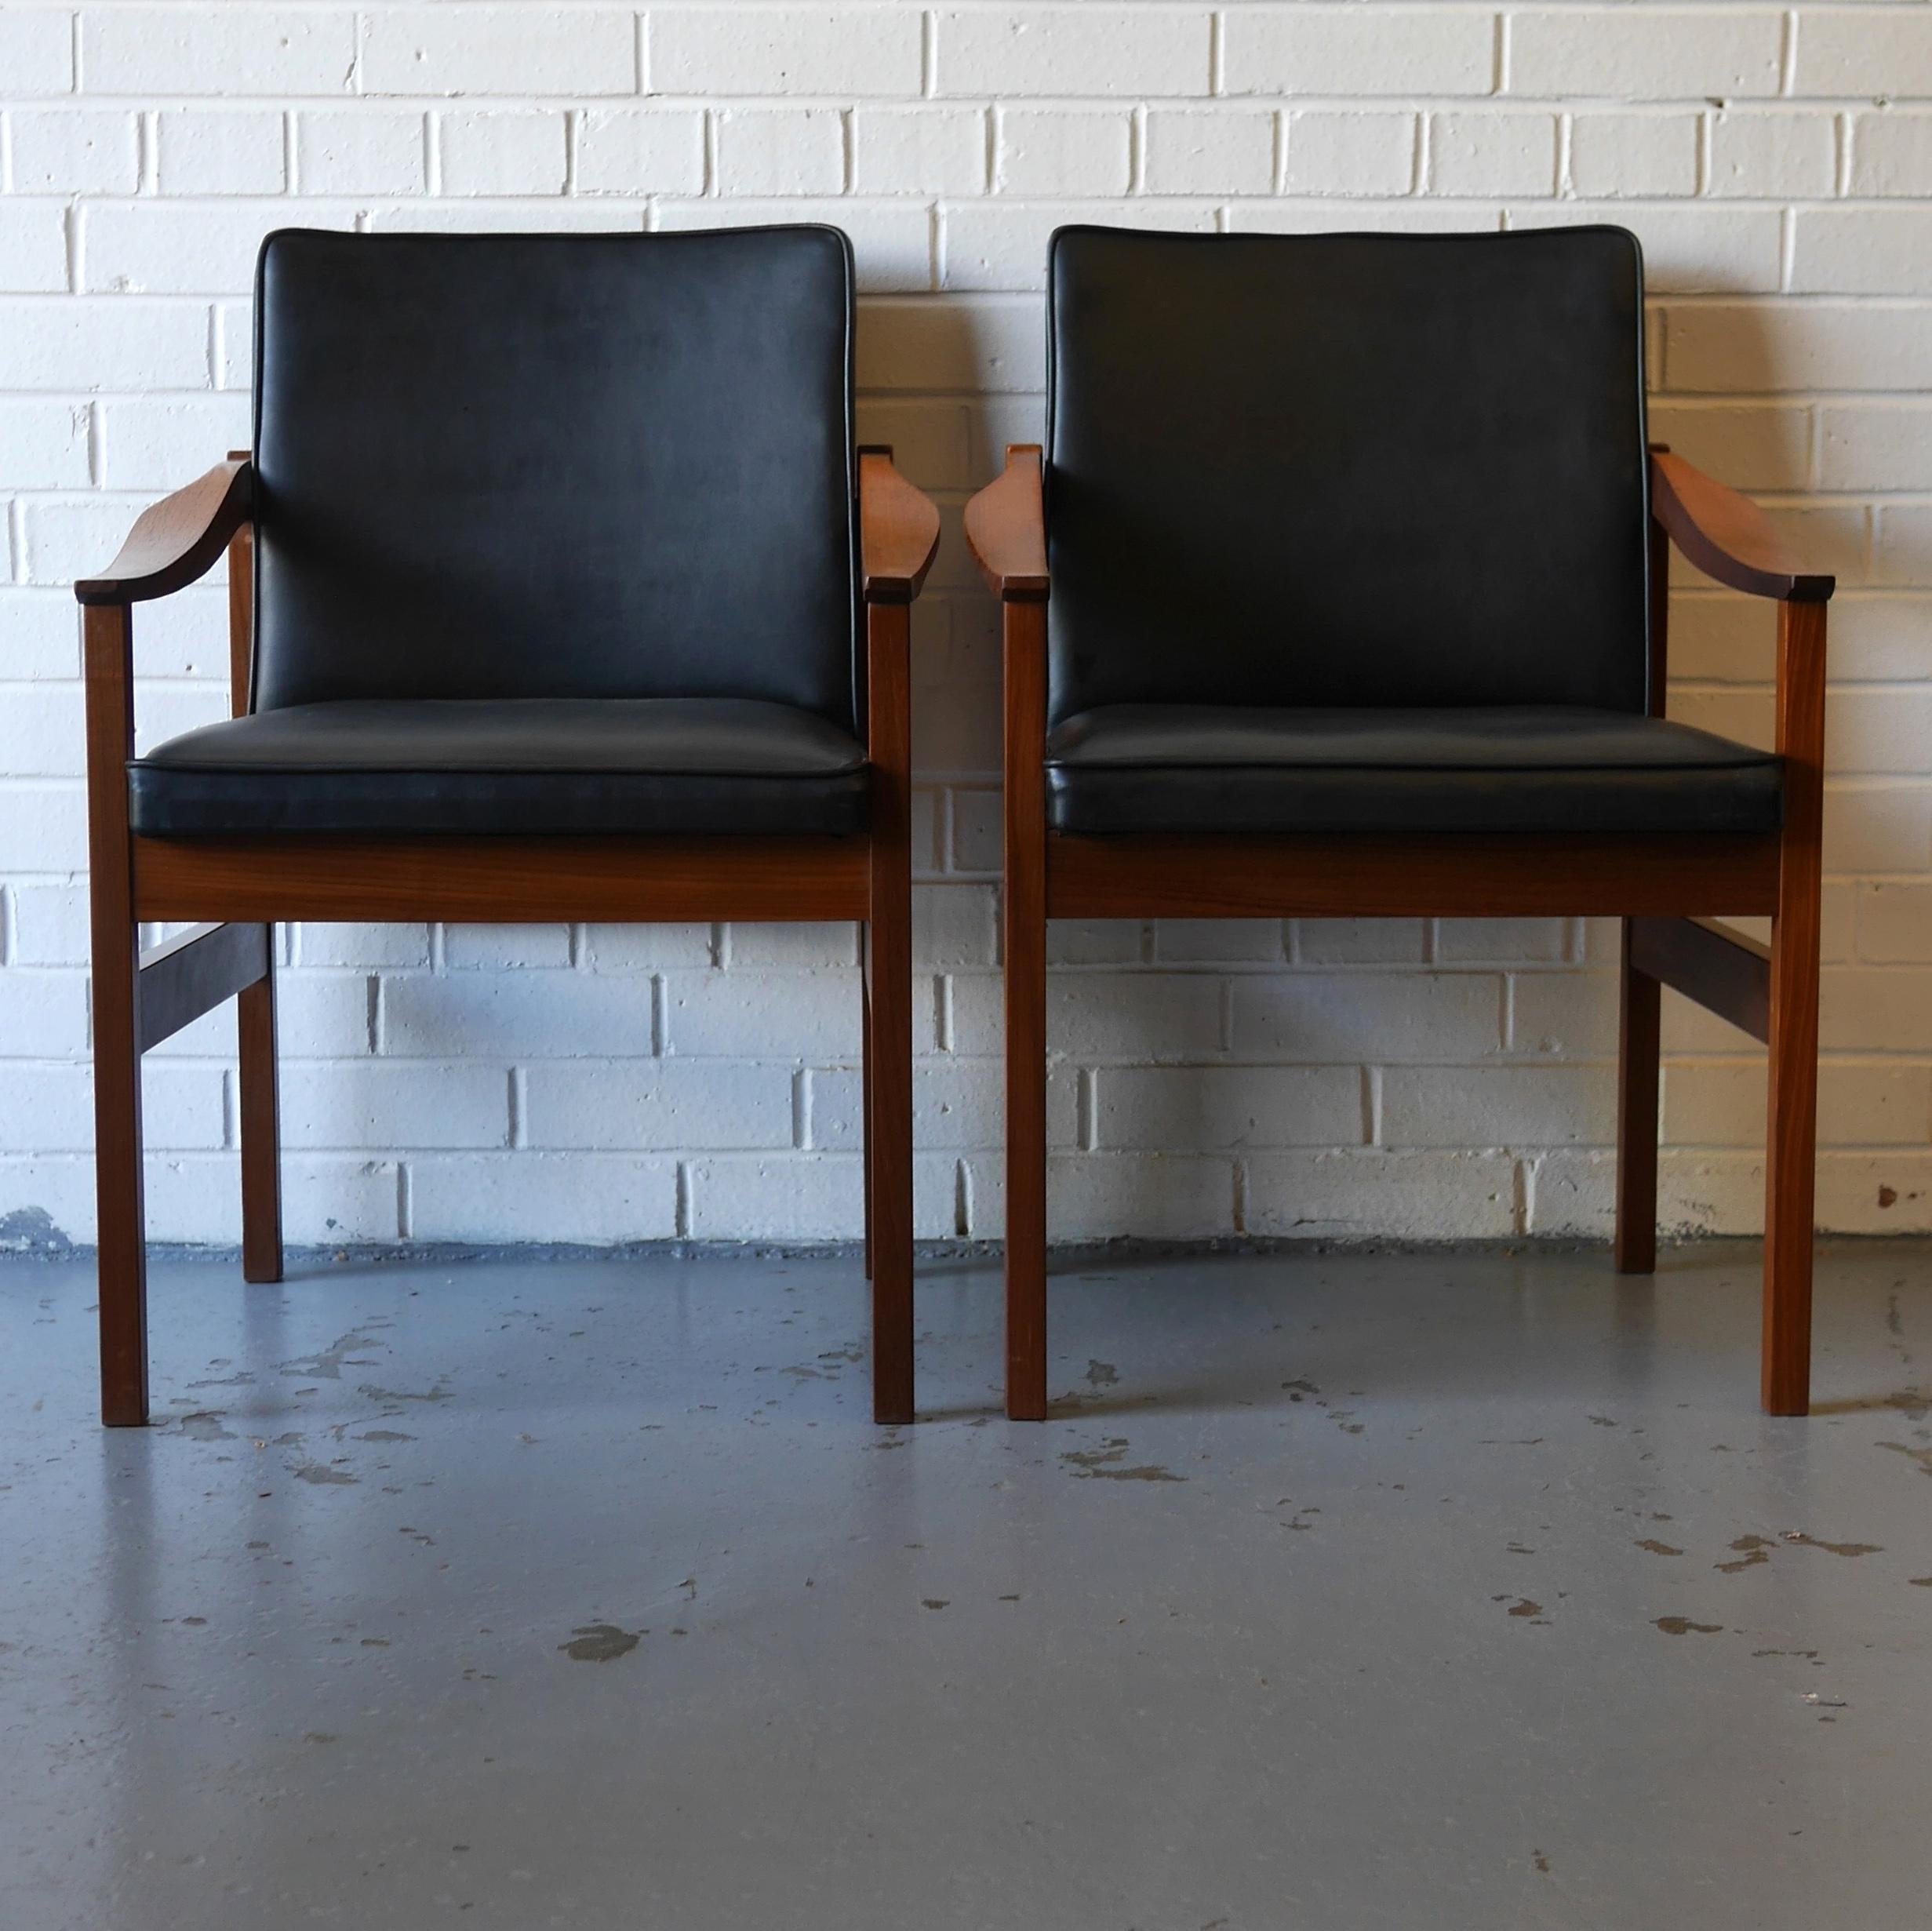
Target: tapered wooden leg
1637	1029
1024	911
889	1038
121	1238
257	1101
1790	1160
261	1129
865	1117
1636	1119
1791	1164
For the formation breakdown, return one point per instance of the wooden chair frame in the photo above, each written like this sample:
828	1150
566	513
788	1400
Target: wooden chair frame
1665	887
239	886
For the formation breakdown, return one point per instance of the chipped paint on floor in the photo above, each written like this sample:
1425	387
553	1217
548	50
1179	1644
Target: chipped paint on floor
1566	1634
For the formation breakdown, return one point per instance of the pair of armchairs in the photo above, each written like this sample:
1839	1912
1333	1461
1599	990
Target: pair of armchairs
558	592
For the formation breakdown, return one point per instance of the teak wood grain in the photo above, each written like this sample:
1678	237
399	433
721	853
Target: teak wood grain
898	530
177	540
1726	973
1025	911
1639	1039
120	1236
188	975
1790	1167
1006	532
258	1098
1429	875
1727	535
504	880
888	1082
1639	998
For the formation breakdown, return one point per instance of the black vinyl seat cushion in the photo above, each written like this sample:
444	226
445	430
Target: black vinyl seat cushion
1207	768
507	766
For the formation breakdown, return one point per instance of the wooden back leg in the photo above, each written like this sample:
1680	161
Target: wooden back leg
1636	1117
257	1101
259	1107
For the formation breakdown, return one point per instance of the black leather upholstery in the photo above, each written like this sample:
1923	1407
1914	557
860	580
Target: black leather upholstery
1346	470
556	466
553	533
508	766
1236	768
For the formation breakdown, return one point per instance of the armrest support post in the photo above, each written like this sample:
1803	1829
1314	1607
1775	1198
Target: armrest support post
241	609
898	536
1801	699
1006	528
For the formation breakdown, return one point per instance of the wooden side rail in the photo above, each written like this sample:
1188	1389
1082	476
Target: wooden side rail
194	972
618	879
1435	874
1727	972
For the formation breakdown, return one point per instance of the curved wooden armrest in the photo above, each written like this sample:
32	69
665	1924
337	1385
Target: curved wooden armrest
177	540
898	530
1727	535
1005	527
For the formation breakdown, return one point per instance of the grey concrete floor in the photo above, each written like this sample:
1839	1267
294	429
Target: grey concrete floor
1412	1590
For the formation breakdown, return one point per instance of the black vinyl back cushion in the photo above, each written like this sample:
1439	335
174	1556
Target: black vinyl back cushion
1346	470
556	466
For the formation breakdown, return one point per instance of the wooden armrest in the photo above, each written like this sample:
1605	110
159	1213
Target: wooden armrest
1726	535
1005	527
177	540
898	530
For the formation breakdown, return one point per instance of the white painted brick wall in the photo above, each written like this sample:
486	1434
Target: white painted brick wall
1332	1078
492	152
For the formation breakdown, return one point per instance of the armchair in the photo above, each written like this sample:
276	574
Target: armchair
1339	590
557	591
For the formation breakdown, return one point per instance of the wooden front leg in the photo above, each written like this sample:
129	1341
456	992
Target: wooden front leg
889	1013
1024	908
1791	1162
121	1235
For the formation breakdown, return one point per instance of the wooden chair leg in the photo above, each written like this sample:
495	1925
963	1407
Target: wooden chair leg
1790	1166
121	1234
1790	1160
889	1029
1636	1119
865	1098
1024	911
889	1164
260	1109
257	1100
1026	1167
121	1237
